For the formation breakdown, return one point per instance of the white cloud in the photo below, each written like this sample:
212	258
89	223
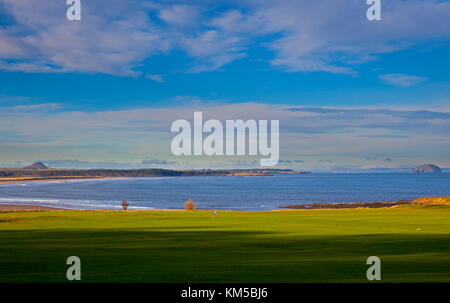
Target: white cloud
43	106
157	162
179	15
111	40
157	78
341	134
401	80
321	35
303	35
213	49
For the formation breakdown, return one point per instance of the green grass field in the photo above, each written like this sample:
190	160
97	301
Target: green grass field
279	246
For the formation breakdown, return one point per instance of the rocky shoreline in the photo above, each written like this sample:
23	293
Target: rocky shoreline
347	205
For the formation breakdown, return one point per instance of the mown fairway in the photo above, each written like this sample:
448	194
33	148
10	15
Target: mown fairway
280	246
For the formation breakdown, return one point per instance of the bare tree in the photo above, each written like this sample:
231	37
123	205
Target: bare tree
190	205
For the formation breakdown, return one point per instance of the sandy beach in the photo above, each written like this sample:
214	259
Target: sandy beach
43	179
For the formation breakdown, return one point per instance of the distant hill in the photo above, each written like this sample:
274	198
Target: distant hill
427	169
36	165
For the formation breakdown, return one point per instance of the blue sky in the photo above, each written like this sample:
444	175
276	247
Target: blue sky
351	95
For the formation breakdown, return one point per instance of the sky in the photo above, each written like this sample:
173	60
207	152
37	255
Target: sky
351	95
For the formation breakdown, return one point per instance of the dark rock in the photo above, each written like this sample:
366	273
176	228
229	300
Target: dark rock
427	169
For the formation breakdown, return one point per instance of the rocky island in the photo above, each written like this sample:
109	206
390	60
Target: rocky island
427	169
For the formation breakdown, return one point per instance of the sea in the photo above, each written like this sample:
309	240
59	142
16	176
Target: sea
225	193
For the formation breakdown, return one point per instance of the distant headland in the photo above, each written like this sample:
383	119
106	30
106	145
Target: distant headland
36	165
38	171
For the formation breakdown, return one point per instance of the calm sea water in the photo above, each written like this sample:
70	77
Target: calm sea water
226	193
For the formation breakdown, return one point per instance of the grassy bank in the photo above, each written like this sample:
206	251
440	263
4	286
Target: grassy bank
413	243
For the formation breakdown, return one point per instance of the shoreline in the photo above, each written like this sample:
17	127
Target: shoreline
443	201
369	205
376	204
13	180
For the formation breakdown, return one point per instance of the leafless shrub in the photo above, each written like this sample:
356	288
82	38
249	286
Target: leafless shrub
124	204
190	205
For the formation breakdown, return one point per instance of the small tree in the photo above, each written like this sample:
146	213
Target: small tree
124	204
190	205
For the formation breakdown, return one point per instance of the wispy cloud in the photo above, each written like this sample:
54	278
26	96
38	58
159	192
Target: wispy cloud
157	78
401	80
334	37
110	41
157	162
43	106
338	134
301	35
79	164
179	14
332	119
